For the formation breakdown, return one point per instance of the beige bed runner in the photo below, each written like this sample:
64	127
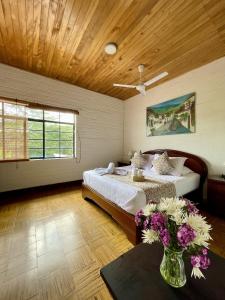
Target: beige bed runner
153	189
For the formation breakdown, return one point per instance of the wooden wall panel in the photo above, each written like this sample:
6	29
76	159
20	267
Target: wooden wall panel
100	125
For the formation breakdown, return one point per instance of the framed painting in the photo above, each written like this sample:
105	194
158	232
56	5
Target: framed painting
175	116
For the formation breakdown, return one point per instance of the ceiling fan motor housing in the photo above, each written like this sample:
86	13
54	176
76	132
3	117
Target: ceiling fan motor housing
141	68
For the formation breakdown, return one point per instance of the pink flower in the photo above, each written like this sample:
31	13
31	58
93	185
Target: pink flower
165	237
200	261
195	261
138	217
192	209
158	221
146	224
204	251
185	235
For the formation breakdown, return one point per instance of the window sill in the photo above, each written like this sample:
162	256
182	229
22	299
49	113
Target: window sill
13	160
47	159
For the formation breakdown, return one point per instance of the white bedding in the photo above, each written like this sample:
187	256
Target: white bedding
132	198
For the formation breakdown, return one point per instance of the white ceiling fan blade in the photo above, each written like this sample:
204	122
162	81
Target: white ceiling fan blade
156	78
124	85
141	89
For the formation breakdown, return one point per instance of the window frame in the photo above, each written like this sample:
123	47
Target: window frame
43	107
43	121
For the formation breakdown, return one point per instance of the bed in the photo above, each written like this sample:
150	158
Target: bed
122	203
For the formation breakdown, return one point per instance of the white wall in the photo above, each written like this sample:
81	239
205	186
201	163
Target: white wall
100	126
209	140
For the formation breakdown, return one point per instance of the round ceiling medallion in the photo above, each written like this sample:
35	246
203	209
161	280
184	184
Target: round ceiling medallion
111	48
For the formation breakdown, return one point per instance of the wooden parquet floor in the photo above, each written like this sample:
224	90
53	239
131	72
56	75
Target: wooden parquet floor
52	246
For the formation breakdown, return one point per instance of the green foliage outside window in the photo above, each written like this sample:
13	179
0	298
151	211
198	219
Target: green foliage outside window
51	134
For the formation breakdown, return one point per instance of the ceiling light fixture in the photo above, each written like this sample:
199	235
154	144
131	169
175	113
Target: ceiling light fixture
111	48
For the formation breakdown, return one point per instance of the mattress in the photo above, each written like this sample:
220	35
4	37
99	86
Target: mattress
132	198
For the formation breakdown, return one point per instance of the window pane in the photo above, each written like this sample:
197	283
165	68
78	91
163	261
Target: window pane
66	128
67	117
33	125
10	153
20	152
49	135
14	144
51	126
36	134
11	148
14	110
37	153
14	123
66	152
66	136
35	113
58	137
35	143
52	144
14	134
10	144
51	116
66	144
52	153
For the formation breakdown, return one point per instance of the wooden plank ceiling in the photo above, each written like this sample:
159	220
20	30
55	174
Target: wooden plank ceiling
65	39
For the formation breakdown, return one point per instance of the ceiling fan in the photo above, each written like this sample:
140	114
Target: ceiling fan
141	86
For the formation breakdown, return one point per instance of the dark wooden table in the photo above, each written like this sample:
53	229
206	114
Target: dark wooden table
135	275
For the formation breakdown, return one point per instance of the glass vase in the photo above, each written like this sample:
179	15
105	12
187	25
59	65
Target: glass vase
172	268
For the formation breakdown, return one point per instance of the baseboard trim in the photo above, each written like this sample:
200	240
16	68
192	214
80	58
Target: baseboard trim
21	194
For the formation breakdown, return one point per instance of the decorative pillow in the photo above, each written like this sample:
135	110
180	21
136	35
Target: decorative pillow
162	165
178	165
138	160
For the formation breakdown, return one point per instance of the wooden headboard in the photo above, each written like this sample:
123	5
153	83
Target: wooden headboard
193	162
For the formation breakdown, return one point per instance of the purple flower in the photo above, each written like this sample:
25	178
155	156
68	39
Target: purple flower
204	251
146	224
138	217
192	209
185	235
158	221
165	237
200	261
195	261
205	262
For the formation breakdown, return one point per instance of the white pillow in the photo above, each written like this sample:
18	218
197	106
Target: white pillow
148	161
178	165
186	171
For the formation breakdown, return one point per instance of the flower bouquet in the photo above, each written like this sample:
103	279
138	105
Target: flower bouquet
179	226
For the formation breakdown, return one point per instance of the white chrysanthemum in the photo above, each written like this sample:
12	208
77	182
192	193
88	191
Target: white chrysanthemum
149	236
196	272
179	217
201	228
171	205
149	209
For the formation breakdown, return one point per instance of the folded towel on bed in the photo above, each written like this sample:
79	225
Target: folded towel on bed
111	170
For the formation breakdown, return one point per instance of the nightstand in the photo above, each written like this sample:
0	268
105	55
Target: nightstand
216	195
123	163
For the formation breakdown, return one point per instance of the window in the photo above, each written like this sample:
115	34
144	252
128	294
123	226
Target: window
51	134
34	131
13	131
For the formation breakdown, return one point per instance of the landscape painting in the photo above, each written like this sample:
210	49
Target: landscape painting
176	116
